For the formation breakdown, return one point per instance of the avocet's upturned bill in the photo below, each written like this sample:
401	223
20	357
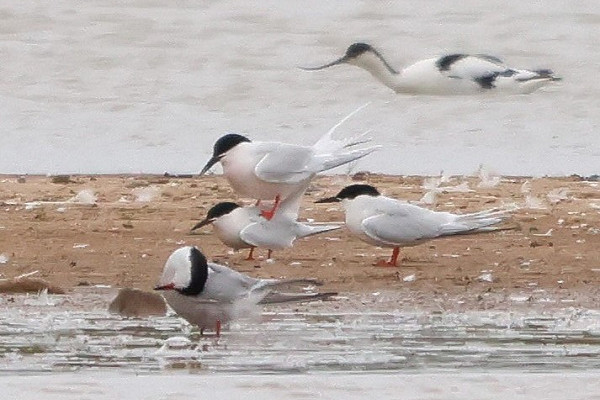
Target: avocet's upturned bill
207	294
446	75
244	228
386	222
272	170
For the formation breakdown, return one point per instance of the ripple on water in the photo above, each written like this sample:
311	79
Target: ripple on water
76	332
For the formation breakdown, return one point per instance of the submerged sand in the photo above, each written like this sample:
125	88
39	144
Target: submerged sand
119	230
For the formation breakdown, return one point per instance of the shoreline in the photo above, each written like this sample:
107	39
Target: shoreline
119	229
574	176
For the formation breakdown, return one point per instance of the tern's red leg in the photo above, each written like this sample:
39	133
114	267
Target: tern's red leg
269	214
218	328
250	258
269	254
393	259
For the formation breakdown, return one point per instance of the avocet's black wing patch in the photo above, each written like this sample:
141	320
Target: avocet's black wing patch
444	63
487	82
489	58
508	73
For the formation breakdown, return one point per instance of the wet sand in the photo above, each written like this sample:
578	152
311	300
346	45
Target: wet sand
118	230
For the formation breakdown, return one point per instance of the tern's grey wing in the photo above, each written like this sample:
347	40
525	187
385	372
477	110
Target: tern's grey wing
285	163
291	204
271	234
276	297
226	285
204	314
406	225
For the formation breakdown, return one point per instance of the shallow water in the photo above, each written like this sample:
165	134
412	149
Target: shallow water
147	86
76	333
509	385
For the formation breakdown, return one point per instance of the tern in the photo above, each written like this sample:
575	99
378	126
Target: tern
244	227
208	294
446	75
387	222
272	170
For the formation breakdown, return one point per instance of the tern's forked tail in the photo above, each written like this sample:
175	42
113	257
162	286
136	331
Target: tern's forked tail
276	297
329	161
326	144
483	221
306	230
330	153
266	284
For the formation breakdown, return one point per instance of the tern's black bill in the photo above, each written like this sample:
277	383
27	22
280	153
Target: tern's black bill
209	164
331	64
328	200
202	223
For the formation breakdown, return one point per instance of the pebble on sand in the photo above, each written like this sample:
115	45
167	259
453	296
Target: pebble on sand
137	303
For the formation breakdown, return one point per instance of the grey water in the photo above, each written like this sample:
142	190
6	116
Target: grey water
147	86
75	332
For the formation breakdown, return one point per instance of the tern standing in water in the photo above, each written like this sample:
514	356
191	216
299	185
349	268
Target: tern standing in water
208	294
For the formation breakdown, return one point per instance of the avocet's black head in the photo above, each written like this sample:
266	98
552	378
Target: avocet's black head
357	49
351	192
218	210
186	271
222	146
352	52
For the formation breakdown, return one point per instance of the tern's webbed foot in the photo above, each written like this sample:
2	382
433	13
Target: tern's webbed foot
384	263
268	215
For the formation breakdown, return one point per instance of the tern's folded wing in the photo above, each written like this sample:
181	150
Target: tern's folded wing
400	228
285	163
225	284
268	234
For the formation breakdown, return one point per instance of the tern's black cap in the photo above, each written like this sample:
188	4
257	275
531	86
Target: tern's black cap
220	209
350	192
199	273
222	146
228	142
198	265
